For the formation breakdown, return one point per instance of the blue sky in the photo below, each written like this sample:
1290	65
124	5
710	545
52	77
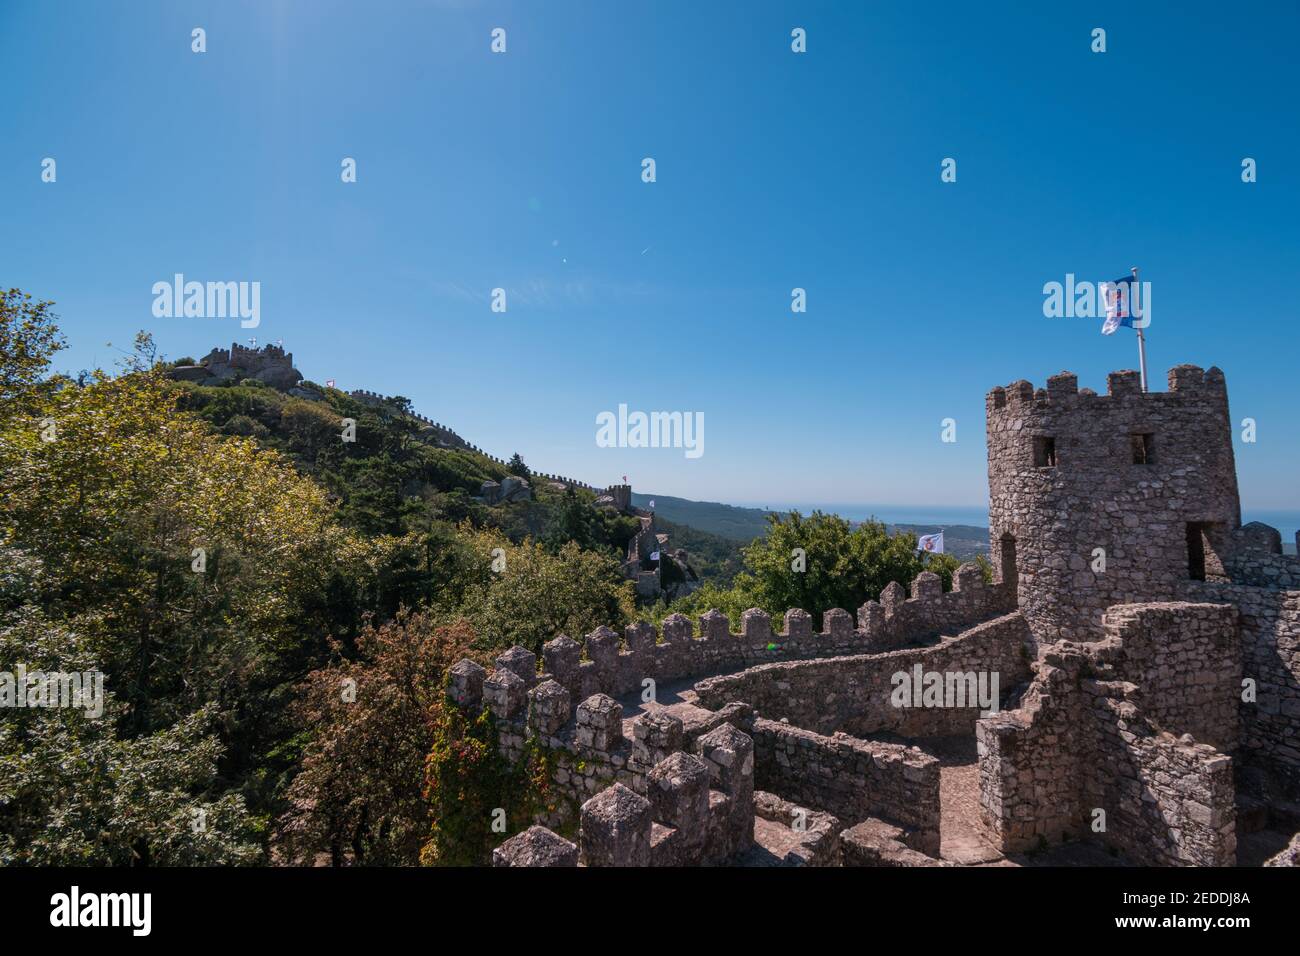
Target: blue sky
775	170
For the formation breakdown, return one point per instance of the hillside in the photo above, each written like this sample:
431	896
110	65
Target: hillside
392	479
727	521
742	525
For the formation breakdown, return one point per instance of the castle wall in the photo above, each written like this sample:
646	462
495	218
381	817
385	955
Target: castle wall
1030	786
853	779
697	810
618	666
1270	656
1109	726
1169	801
1248	563
1063	482
853	694
1184	662
876	843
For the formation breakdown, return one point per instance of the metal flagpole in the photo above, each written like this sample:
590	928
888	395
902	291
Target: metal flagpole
1142	342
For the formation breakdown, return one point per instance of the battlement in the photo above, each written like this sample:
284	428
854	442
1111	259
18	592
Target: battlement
561	479
607	663
696	808
1062	391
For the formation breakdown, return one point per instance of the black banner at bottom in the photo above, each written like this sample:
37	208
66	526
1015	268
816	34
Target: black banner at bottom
336	905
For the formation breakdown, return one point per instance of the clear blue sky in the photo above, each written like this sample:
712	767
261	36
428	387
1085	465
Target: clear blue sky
775	170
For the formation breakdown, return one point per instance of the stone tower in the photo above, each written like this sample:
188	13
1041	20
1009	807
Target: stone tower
1149	479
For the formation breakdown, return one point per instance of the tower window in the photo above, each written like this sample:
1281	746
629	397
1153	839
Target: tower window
1044	451
1144	448
1196	551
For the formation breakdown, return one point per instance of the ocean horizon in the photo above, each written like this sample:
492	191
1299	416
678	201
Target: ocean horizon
1287	521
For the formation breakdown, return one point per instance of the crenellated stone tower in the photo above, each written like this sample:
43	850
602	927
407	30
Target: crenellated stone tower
1097	500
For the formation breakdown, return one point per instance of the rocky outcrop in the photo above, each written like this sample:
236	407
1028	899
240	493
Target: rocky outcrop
507	490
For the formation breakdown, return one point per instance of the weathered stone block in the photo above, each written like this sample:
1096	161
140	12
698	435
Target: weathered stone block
837	624
928	586
714	625
548	707
679	797
536	846
615	829
465	683
756	626
505	693
561	658
676	629
600	723
798	624
521	661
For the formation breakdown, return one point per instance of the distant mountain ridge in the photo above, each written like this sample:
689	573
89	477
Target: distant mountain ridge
743	524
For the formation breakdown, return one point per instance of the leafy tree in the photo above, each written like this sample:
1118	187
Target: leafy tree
116	506
371	721
72	793
535	595
844	566
29	337
516	466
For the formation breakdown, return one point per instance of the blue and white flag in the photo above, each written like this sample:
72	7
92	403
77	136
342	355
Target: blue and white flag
930	542
1119	304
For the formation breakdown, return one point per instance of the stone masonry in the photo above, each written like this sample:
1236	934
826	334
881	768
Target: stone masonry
1146	647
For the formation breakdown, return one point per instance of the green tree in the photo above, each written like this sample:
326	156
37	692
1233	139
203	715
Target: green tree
72	793
533	595
842	566
371	722
29	337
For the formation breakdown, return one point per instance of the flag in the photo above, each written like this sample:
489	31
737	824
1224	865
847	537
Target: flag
654	555
1118	299
930	542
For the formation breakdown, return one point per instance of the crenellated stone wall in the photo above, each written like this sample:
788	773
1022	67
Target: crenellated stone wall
855	693
618	666
697	809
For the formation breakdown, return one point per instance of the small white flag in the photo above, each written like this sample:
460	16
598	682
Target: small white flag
654	555
930	542
329	383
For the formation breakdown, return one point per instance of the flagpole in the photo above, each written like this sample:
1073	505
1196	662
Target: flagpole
1142	342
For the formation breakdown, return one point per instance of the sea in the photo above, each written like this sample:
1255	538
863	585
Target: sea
1286	521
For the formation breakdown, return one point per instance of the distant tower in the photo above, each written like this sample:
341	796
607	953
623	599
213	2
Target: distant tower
622	495
1144	485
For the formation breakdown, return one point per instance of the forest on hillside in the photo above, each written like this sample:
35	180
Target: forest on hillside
273	611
